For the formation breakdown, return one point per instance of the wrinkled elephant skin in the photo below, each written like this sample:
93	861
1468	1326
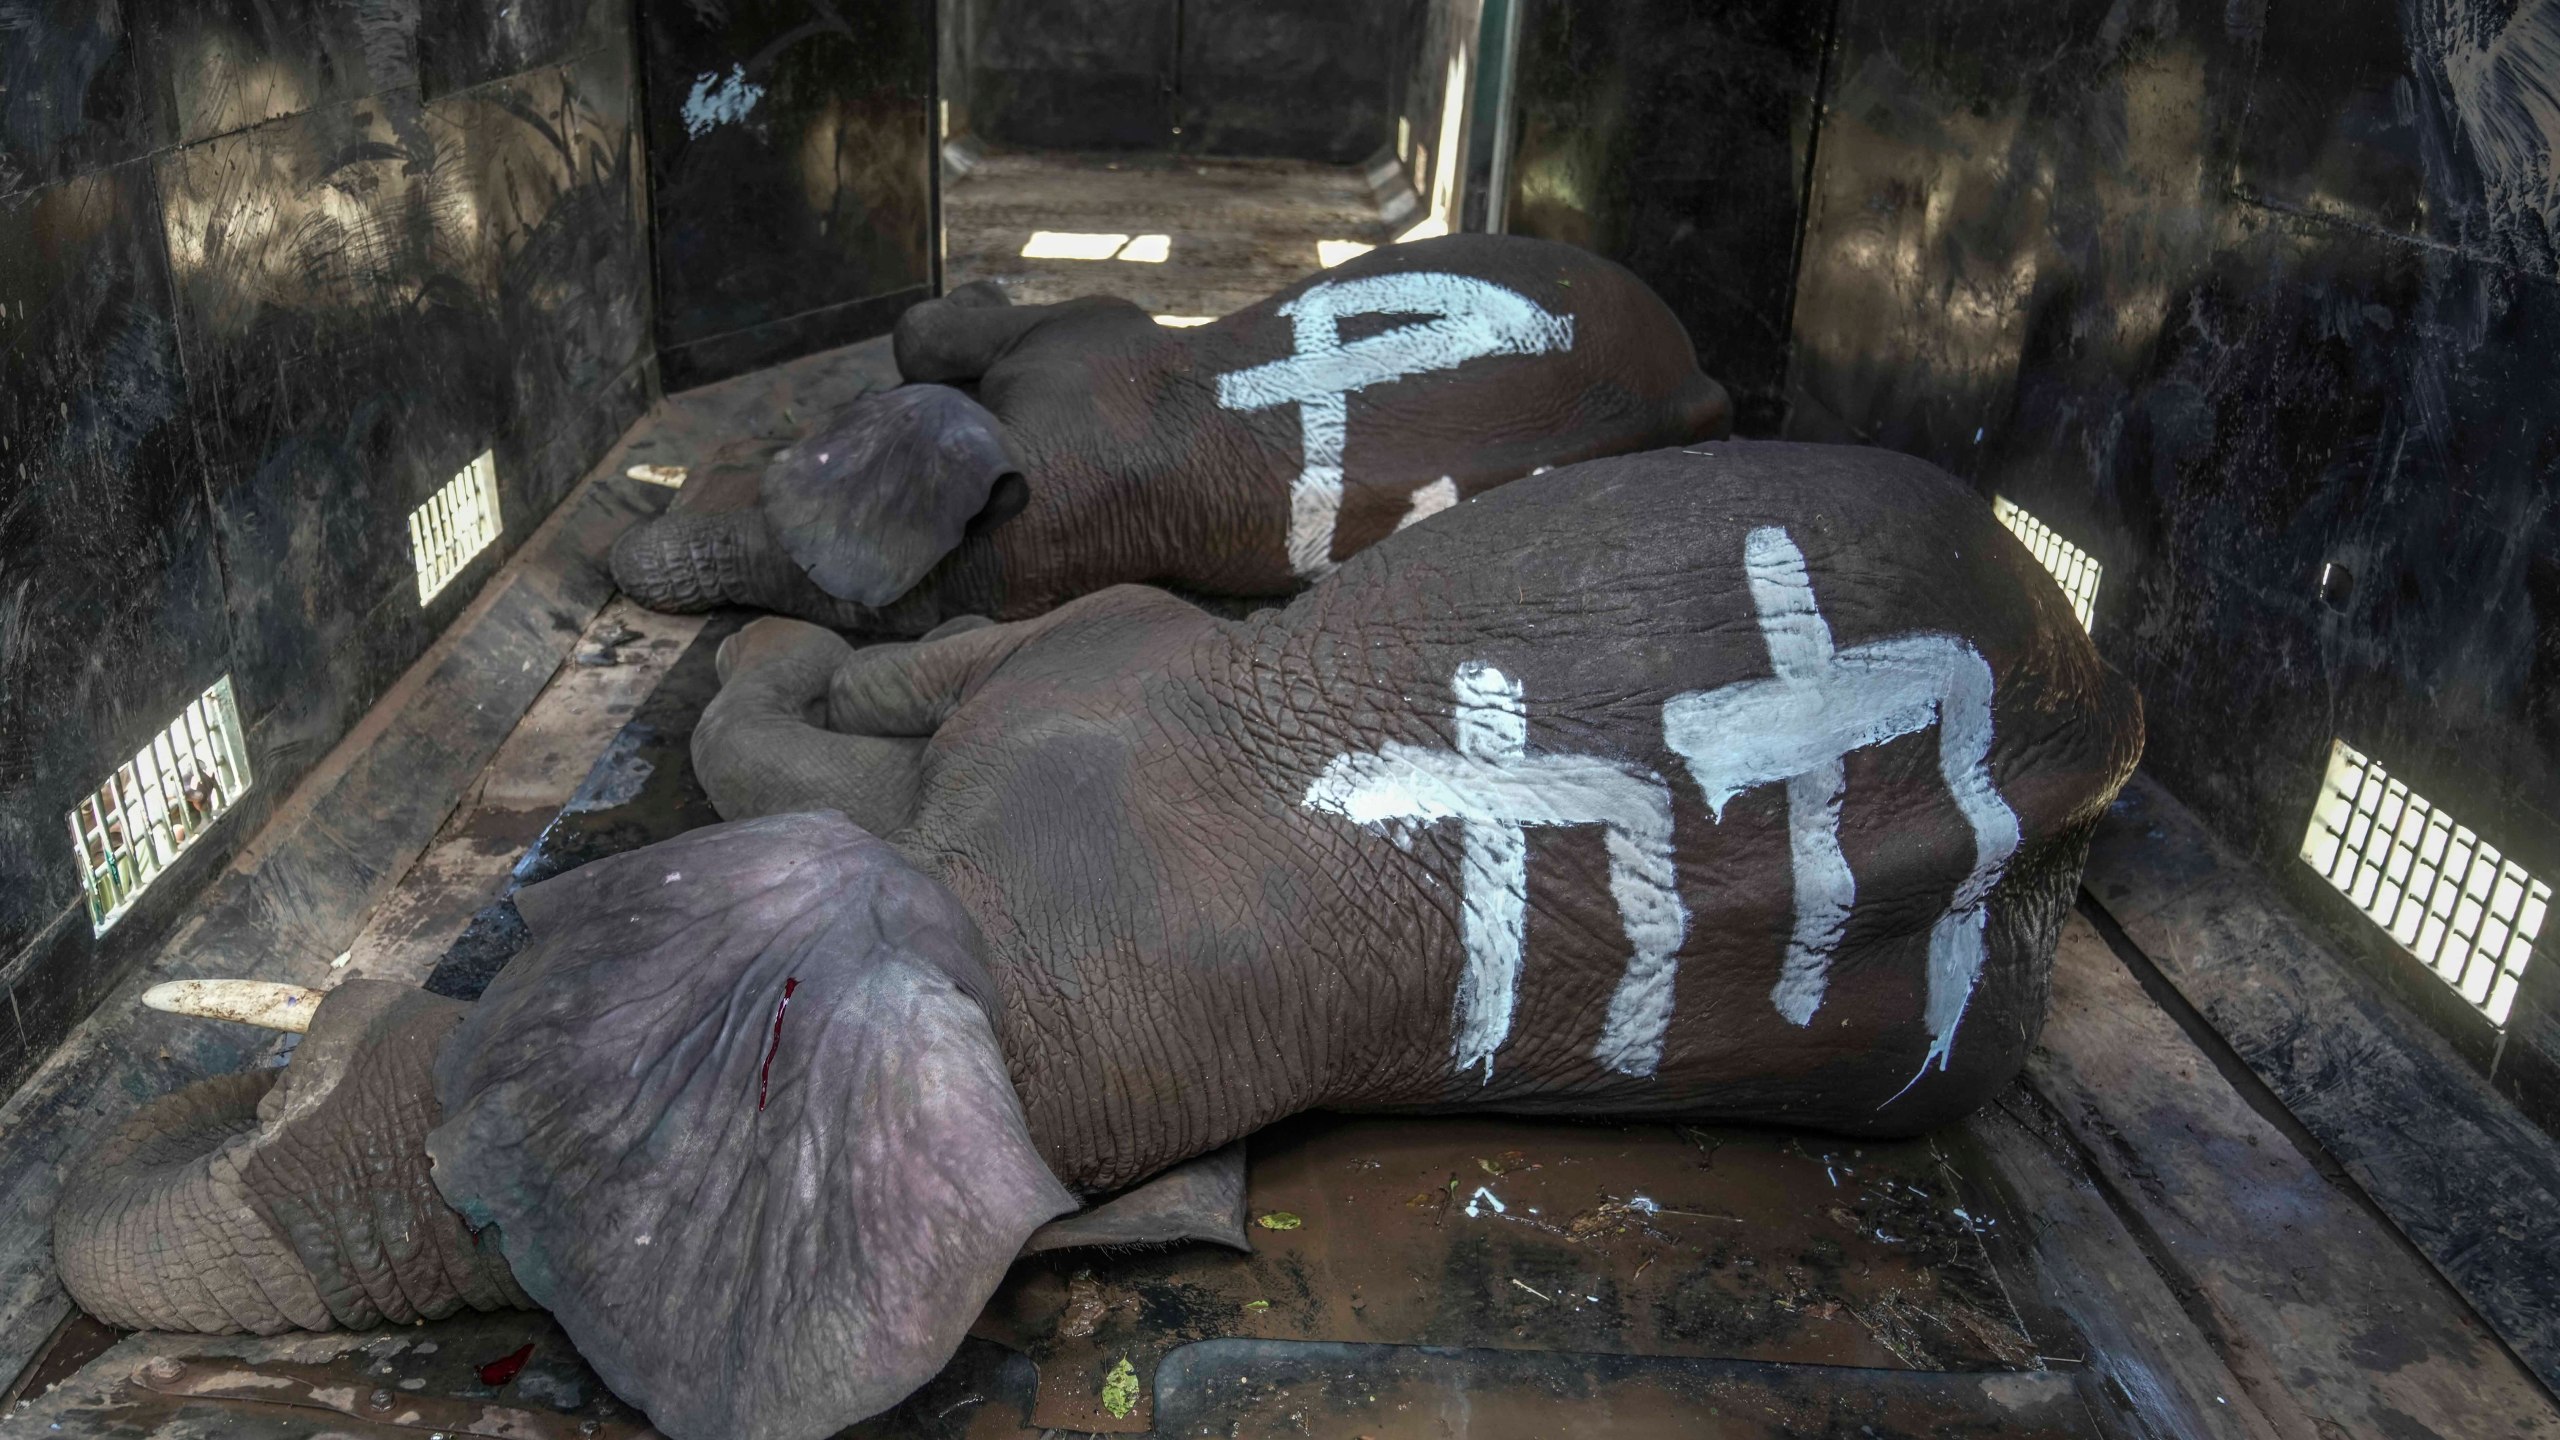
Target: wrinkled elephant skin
1053	450
1747	782
1752	783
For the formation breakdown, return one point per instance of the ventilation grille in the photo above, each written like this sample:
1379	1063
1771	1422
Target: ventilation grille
2072	566
2467	912
144	816
457	522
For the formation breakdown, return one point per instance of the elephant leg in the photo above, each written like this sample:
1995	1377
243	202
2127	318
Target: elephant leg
762	749
910	689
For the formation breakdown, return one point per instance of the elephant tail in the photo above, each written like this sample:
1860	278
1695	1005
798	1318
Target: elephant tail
278	1200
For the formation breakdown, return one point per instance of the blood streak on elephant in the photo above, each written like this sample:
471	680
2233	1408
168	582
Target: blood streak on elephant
1070	901
1040	453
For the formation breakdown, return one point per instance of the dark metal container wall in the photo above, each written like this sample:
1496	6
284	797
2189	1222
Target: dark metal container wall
270	275
2257	301
1672	136
1285	79
791	169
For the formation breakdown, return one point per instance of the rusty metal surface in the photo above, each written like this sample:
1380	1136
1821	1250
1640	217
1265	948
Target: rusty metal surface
372	1399
1255	1388
1523	1235
510	1376
75	1341
1249	1389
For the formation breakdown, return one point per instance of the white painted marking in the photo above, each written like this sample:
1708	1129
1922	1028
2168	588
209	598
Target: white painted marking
715	101
1494	786
1469	319
1430	500
1484	1196
1798	726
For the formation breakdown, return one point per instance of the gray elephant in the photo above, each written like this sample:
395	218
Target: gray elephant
1745	782
1093	447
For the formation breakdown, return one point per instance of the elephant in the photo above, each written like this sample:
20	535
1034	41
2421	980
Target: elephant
1748	781
1044	452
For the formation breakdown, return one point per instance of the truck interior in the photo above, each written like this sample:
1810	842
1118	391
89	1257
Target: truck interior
340	343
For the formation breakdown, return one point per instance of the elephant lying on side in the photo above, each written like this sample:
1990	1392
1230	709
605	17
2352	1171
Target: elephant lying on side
1749	783
1094	447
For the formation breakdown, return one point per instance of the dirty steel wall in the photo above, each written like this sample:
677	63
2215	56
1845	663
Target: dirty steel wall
1293	79
1430	130
790	148
2227	291
1672	136
270	275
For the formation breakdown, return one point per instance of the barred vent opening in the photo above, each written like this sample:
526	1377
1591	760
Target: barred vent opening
457	523
2071	566
144	816
2468	913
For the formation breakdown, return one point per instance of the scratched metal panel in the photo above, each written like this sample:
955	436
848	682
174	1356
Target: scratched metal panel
1672	137
2427	118
333	295
1991	172
74	93
1079	75
229	64
548	163
1304	80
791	172
462	43
368	302
110	611
2329	396
231	366
222	65
2026	259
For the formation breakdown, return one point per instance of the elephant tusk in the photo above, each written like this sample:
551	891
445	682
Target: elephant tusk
251	1002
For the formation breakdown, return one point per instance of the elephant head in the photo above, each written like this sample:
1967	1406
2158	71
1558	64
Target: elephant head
738	1119
1045	452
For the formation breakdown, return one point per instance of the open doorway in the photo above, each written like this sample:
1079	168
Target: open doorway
1194	156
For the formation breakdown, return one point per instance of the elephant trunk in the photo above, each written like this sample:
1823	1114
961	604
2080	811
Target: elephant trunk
286	1199
761	747
687	561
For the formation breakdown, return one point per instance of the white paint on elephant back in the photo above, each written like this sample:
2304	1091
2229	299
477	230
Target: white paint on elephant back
1468	319
1494	786
1797	727
1430	500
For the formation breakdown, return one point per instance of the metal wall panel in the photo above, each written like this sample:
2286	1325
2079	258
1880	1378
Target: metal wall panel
791	163
1672	136
269	275
2228	295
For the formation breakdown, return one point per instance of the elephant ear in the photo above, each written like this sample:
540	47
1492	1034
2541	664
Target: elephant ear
741	1118
890	486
